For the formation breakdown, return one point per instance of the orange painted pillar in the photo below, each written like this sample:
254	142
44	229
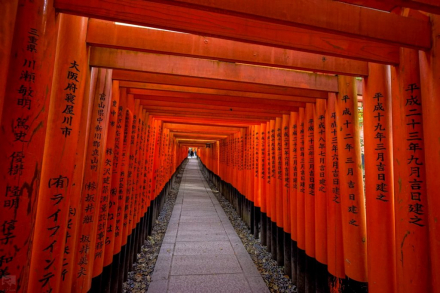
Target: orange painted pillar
285	168
293	149
74	220
59	152
23	132
92	185
379	179
116	201
256	173
107	171
430	89
321	188
309	197
8	13
285	171
351	184
269	193
263	180
279	173
411	202
335	246
300	199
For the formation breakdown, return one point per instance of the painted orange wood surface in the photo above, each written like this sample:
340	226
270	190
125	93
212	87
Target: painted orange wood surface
412	225
285	168
22	132
115	209
335	245
63	126
92	184
109	34
273	183
257	31
263	167
8	12
309	197
379	173
256	173
106	193
321	183
300	195
278	172
430	88
351	184
74	220
269	181
294	171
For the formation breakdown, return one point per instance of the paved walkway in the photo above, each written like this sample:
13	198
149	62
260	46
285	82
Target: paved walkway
201	251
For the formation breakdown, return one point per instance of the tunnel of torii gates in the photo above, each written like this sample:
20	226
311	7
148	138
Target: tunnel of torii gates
97	117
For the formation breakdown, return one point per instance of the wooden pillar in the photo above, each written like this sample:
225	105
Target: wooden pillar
273	190
8	13
300	212
412	238
263	178
106	191
351	184
268	187
74	220
63	127
309	197
335	251
111	252
92	185
23	131
285	168
293	125
321	187
379	179
430	89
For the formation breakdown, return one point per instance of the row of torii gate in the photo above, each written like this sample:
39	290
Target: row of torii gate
97	116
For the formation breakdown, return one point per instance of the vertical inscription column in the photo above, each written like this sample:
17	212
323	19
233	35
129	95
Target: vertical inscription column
412	238
300	212
430	89
92	185
293	129
320	197
351	184
59	152
379	179
335	251
309	197
22	134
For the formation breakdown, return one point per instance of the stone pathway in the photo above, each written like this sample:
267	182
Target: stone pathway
201	251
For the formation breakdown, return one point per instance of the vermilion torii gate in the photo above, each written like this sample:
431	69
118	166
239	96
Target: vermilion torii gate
96	117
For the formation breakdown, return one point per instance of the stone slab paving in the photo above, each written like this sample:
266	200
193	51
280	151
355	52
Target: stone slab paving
201	252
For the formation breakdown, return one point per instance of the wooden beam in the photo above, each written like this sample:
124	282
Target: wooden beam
204	121
267	23
202	68
192	114
229	102
228	87
431	6
108	34
160	104
213	112
141	88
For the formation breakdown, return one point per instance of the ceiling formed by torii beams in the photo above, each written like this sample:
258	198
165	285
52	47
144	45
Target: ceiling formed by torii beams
210	68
